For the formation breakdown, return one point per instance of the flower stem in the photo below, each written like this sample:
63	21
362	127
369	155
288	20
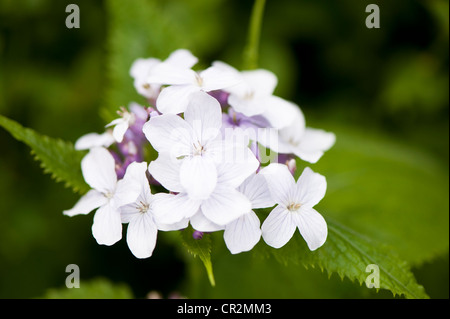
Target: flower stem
254	31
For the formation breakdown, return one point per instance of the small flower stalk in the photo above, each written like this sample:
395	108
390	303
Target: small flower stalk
227	148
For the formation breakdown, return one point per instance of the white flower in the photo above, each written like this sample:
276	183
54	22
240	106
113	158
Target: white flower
126	120
253	95
121	124
139	71
295	207
142	226
310	146
92	140
142	68
223	205
244	233
195	142
307	143
108	194
184	81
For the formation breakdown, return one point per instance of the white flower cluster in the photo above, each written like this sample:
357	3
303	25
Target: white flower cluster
210	129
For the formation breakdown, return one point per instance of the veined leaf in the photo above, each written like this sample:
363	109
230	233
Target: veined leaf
348	254
200	248
58	158
388	190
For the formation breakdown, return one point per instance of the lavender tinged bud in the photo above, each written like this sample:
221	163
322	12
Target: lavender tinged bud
197	235
289	161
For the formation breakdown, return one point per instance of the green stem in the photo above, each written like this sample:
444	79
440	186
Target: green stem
254	31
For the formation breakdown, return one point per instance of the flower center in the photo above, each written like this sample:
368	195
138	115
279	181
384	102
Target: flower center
249	95
294	207
127	116
199	79
198	149
108	195
293	142
143	207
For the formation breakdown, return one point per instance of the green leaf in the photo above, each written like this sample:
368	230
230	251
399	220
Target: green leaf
348	254
98	288
390	191
200	248
58	158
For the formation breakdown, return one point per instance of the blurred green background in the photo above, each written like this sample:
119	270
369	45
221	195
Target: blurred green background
384	92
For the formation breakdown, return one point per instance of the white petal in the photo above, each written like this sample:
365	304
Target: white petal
166	170
280	181
311	188
204	114
256	84
281	113
201	223
129	188
169	134
115	122
171	209
243	233
224	205
313	144
175	226
262	82
292	135
128	212
92	140
174	99
182	58
279	227
225	67
87	203
247	106
168	73
269	138
312	226
257	191
98	168
150	91
119	130
238	164
140	71
141	67
198	176
107	226
218	78
138	110
141	235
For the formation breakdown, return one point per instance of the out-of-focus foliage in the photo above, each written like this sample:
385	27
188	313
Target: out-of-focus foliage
58	158
384	92
99	288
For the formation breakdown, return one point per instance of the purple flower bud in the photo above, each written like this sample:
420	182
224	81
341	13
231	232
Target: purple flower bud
289	161
197	235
